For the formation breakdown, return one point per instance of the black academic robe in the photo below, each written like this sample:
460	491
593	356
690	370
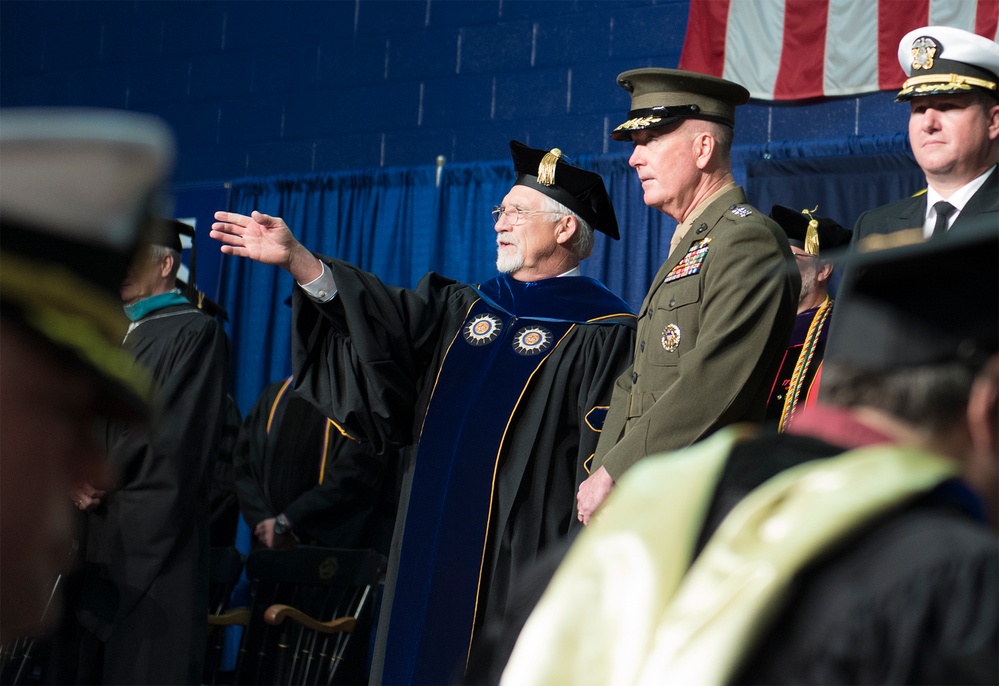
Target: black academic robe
150	537
910	598
291	459
498	449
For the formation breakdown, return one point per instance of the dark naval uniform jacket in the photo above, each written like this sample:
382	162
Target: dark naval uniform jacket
910	213
711	334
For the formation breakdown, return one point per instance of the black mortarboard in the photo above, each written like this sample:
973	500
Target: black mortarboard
582	191
809	232
660	97
945	60
921	304
78	192
167	232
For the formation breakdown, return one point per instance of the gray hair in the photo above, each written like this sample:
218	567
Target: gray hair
158	252
930	396
582	244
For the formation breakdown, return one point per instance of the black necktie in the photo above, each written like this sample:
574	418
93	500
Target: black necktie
944	210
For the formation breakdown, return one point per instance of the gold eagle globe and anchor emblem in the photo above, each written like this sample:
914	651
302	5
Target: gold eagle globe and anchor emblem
671	338
482	329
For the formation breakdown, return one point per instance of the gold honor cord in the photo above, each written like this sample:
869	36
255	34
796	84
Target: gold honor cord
803	363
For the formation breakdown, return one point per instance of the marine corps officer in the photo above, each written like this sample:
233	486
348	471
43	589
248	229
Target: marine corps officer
720	311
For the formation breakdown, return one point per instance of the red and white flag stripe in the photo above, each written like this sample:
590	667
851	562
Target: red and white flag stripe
797	49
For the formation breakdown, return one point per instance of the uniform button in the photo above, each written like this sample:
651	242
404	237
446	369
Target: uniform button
641	346
634	377
322	294
649	314
672	302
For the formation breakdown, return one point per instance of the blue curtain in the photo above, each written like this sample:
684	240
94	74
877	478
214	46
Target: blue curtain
401	223
843	178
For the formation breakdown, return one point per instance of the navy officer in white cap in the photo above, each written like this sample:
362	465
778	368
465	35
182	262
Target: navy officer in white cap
954	133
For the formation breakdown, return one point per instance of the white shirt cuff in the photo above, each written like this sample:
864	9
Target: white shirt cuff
322	288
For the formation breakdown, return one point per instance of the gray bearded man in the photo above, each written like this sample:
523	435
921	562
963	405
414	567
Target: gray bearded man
497	392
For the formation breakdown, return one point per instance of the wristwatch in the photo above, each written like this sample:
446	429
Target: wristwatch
280	525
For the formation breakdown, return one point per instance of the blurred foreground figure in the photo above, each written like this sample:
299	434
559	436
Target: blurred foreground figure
857	548
75	191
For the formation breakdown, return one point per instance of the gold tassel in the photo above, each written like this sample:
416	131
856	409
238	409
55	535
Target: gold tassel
812	233
546	170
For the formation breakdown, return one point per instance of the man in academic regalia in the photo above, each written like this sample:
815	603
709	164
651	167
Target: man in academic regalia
148	533
796	385
300	480
857	547
500	389
954	133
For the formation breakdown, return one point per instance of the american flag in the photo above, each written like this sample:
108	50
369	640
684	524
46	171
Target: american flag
798	49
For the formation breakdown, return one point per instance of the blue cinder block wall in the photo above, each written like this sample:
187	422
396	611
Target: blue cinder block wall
256	88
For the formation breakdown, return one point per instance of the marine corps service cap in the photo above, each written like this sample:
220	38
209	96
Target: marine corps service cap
921	304
77	191
808	231
945	60
660	97
582	191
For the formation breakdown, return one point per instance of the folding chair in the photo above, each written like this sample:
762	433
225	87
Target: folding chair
306	604
225	568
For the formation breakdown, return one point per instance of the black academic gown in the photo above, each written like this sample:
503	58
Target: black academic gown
150	538
290	459
910	598
498	447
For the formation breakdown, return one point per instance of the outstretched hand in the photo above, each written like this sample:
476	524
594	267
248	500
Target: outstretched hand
267	240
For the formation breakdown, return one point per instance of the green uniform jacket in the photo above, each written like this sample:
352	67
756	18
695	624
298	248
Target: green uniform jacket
711	333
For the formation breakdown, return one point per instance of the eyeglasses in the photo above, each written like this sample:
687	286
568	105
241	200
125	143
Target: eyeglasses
514	213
